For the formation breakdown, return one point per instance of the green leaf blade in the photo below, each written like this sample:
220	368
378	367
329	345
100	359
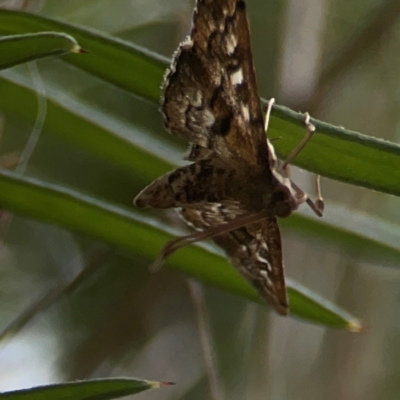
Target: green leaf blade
104	136
333	152
145	237
18	49
338	153
99	389
127	66
305	304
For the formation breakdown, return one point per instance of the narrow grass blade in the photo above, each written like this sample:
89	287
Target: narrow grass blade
18	49
99	389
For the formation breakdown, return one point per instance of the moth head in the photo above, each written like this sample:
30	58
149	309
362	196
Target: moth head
282	201
284	198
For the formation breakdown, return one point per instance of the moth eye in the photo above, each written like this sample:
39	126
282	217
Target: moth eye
279	196
281	204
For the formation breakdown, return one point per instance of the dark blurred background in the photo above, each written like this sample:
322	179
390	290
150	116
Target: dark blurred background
113	320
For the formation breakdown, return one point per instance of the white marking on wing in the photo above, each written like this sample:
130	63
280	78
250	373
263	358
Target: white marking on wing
187	43
197	99
264	274
237	77
231	43
265	262
215	207
246	112
208	118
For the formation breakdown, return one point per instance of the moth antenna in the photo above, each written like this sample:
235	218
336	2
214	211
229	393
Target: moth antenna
176	244
268	113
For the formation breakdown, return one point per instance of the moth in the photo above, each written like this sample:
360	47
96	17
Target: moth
233	189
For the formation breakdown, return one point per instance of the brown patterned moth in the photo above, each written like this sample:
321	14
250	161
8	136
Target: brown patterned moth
232	191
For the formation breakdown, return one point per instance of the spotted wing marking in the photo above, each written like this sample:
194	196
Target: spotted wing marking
210	94
255	250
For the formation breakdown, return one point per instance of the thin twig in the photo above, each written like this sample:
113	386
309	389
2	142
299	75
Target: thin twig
203	323
6	217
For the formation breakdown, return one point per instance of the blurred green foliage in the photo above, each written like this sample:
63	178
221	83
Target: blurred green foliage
104	314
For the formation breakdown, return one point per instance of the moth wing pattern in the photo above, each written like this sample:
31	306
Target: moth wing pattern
210	98
192	185
210	94
255	250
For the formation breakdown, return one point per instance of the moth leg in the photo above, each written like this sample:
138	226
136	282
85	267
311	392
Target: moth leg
319	201
310	132
318	205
